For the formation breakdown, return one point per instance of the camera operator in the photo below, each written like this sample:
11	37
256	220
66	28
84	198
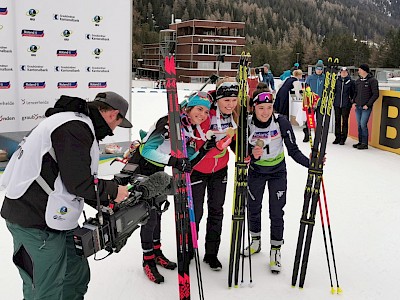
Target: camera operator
48	179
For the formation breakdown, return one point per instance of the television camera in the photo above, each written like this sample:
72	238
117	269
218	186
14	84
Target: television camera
112	226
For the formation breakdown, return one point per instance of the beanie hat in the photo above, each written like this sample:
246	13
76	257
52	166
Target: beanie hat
227	89
198	98
364	67
319	65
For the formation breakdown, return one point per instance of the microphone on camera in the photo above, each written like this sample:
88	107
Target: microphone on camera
155	185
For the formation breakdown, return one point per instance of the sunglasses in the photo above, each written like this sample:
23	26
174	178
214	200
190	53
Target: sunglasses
264	97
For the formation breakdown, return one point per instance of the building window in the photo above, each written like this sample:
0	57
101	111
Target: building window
205	65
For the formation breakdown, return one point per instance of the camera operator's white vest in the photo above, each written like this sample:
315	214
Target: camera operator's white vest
63	209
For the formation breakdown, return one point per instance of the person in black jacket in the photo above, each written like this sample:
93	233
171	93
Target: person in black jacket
344	93
366	93
59	157
281	104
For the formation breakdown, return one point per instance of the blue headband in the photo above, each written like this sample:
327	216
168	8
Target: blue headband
199	98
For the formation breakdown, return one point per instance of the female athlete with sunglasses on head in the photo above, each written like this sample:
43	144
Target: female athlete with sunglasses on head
268	132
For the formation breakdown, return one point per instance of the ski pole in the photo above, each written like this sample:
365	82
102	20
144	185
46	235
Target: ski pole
338	289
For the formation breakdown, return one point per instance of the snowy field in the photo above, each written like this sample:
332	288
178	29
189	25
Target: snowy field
363	196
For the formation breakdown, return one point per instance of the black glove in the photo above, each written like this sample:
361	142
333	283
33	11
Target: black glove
182	164
209	144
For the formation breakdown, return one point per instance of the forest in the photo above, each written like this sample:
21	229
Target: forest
282	32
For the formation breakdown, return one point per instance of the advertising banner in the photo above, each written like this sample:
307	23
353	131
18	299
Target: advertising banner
76	48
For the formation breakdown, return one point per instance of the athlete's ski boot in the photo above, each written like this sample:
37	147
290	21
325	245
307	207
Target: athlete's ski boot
213	262
275	260
162	260
150	268
255	246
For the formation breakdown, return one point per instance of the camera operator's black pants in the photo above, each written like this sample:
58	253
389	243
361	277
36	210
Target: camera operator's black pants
216	189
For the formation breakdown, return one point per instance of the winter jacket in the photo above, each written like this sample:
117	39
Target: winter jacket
316	83
285	74
72	142
156	145
276	131
268	78
215	159
281	104
252	82
344	92
366	91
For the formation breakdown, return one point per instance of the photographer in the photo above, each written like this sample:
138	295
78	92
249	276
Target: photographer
48	179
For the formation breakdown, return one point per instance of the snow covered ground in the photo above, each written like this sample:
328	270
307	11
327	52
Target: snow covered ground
363	196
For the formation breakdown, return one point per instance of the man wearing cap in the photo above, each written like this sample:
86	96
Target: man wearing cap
344	93
48	179
366	93
268	78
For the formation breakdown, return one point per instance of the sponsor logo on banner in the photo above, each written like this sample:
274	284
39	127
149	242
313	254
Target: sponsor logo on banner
67	18
5	85
71	53
33	49
4	103
33	68
34	102
97	69
97	37
33	117
96	52
5	68
3	11
32	33
67	85
66	34
4	49
34	85
71	69
6	118
32	13
97	84
96	20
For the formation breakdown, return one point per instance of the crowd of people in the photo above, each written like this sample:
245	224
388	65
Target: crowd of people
62	151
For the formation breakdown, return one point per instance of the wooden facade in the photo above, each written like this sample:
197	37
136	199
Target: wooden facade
201	47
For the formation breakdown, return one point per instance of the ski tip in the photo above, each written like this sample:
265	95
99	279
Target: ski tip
300	288
339	291
333	291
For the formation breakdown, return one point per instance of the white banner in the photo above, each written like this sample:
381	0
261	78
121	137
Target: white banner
76	48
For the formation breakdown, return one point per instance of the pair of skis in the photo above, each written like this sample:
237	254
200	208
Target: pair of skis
314	181
184	211
240	183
